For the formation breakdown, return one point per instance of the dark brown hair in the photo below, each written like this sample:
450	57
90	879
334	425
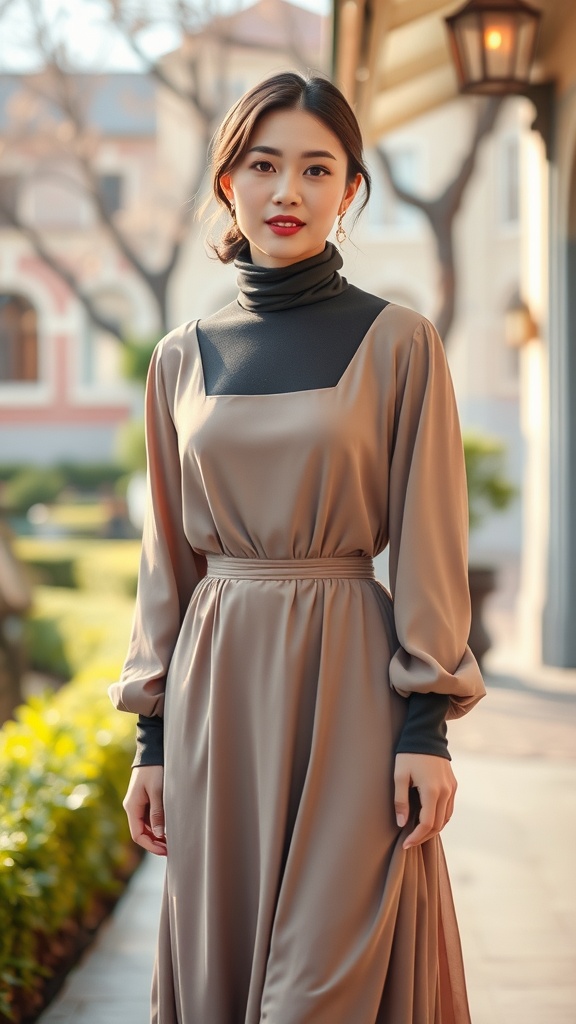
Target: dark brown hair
285	91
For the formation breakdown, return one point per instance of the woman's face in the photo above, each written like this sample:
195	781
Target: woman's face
289	187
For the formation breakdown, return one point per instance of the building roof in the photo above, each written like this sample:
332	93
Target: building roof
116	104
275	25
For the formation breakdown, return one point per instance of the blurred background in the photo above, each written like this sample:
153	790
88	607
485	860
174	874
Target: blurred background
107	108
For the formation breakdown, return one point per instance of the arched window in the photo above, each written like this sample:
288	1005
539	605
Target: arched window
18	339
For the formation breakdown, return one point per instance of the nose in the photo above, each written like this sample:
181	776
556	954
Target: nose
286	192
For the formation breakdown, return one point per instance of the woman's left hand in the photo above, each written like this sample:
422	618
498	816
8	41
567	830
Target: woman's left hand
434	779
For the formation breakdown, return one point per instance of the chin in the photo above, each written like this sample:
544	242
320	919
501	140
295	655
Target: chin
291	248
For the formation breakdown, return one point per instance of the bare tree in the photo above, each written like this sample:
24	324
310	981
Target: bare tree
441	211
62	94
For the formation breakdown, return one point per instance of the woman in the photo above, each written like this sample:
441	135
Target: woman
291	437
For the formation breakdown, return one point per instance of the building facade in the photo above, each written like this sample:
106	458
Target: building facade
62	392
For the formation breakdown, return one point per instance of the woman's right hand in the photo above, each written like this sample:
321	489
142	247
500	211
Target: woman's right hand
145	809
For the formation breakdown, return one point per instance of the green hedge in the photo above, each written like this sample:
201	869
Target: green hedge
64	767
96	565
65	764
26	484
68	630
64	841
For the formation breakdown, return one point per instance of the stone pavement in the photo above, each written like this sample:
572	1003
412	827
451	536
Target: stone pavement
510	847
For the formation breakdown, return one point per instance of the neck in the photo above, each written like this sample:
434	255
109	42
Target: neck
306	281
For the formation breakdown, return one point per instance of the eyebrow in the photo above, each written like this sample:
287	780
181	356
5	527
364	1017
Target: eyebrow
310	154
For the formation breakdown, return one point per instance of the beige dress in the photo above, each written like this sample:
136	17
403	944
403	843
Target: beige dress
284	668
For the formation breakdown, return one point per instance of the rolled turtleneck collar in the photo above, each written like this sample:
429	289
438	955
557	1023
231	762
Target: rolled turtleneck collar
266	289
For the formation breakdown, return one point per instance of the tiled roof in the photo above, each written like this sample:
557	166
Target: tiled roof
275	24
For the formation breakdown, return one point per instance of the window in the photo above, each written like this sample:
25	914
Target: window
386	209
18	339
509	180
8	198
111	192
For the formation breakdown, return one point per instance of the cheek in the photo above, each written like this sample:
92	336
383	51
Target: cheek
329	201
250	196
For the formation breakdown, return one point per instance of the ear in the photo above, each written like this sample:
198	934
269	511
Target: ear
351	190
226	186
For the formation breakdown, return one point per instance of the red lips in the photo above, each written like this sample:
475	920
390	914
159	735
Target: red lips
285	226
286	220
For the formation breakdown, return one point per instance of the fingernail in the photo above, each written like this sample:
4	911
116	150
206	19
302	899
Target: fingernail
158	831
400	820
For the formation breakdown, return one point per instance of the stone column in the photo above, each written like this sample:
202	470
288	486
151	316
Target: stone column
559	619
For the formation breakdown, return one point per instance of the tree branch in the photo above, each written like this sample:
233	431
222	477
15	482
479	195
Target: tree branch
442	209
59	268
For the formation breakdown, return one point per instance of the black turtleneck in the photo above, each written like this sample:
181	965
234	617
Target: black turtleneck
294	329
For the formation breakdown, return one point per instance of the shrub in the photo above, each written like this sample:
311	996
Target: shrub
90	563
109	567
68	630
64	842
64	766
489	489
53	570
45	647
91	477
131	445
36	484
136	355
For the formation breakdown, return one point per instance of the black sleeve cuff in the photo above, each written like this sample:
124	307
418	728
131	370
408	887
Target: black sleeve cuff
149	741
424	730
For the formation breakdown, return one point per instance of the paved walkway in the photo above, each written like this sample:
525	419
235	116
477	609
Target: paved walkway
510	848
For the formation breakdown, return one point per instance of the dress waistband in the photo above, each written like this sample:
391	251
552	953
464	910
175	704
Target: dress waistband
343	566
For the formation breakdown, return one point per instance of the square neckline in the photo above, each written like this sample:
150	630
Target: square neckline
283	394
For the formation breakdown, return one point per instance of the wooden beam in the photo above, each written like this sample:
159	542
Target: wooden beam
391	77
395	108
350	26
404	12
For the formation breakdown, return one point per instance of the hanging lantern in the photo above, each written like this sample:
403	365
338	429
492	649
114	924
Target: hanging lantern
493	44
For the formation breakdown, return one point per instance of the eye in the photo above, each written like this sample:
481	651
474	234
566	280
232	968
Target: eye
262	165
316	171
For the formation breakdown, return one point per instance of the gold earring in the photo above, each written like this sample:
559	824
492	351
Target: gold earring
340	231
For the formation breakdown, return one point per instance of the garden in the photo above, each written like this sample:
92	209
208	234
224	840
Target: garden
65	849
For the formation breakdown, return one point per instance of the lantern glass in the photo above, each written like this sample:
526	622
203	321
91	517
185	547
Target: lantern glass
493	45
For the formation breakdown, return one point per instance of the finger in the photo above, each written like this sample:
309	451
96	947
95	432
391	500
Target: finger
448	804
450	807
140	830
137	811
426	820
441	811
401	802
152	845
420	834
157	815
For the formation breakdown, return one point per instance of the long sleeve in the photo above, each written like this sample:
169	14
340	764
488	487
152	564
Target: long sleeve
169	568
428	518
